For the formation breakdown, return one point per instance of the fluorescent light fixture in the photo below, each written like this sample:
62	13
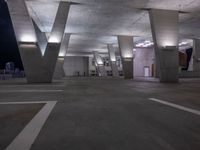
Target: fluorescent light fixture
147	41
148	44
182	43
144	44
139	45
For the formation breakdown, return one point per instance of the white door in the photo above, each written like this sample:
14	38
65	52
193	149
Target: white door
146	71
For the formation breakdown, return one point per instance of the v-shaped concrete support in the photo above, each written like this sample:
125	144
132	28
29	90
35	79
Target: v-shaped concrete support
59	70
99	64
112	57
38	56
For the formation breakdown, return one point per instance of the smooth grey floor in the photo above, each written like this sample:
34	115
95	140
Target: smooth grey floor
114	114
13	118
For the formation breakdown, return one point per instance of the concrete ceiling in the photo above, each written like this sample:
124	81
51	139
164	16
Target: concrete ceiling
94	23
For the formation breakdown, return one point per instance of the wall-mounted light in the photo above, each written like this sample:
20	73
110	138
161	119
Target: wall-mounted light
112	56
128	56
99	62
27	44
61	54
53	39
168	44
98	58
27	38
128	59
169	48
60	58
95	64
113	59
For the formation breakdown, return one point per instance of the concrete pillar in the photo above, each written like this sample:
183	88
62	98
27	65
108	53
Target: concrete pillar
196	56
38	64
99	64
64	45
126	51
112	58
164	26
59	70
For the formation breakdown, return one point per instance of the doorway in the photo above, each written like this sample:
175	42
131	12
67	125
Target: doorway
146	71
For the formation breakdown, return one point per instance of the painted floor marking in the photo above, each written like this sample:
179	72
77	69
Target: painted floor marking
27	136
34	85
23	91
16	103
196	112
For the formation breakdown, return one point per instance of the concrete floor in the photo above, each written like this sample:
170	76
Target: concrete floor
13	118
112	114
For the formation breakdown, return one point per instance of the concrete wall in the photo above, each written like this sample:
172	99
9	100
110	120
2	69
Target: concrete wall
74	64
143	57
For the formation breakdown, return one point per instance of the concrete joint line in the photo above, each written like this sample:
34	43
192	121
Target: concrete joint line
193	111
27	136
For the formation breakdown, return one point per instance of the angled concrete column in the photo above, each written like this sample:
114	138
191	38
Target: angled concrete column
126	51
59	70
164	26
64	45
99	64
41	38
196	56
112	58
38	56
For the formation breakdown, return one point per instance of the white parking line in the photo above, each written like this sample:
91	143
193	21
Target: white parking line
196	112
24	91
27	136
16	103
34	85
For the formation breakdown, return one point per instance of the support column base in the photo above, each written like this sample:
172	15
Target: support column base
128	68
169	76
